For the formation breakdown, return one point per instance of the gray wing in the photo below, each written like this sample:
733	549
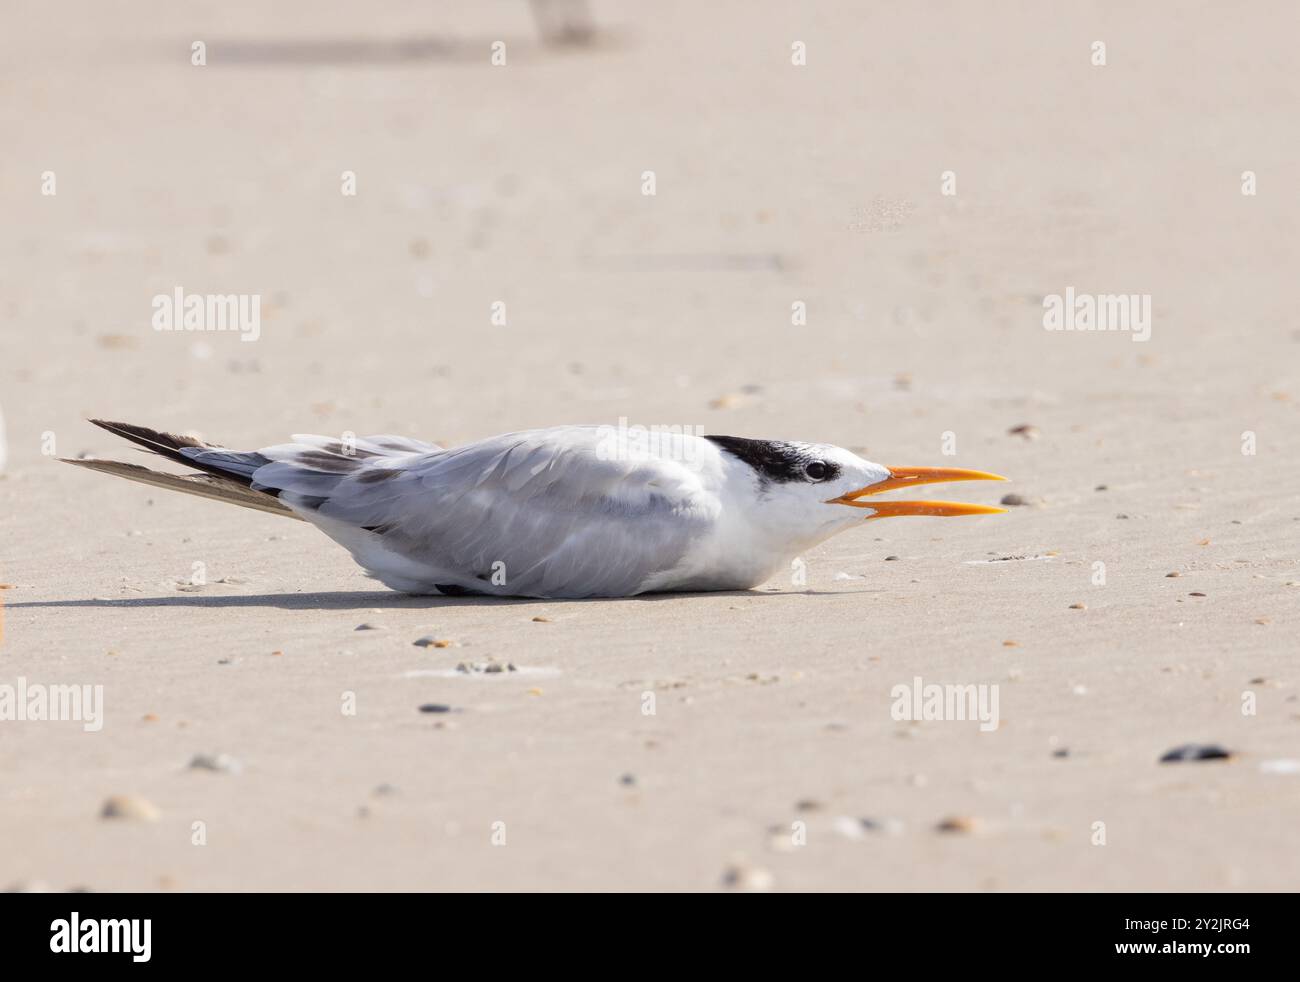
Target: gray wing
540	513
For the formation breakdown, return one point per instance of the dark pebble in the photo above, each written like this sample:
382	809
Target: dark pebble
891	559
435	707
1195	751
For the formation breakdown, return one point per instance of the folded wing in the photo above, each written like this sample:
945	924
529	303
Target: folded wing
539	513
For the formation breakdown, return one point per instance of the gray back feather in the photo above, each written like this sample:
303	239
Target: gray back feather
539	508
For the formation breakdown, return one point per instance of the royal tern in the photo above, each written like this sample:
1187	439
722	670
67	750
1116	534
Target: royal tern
564	512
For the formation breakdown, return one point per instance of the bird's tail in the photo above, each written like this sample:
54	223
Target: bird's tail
203	485
227	474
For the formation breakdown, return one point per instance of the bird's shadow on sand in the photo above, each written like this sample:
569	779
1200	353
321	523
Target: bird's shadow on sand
297	52
353	600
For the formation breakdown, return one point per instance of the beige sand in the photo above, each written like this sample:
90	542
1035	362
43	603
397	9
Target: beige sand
775	184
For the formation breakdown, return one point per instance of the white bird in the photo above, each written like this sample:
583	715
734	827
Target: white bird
564	512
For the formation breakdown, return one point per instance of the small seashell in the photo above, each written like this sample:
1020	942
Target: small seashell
117	341
128	806
748	879
855	828
1280	766
429	641
962	824
28	886
731	400
223	763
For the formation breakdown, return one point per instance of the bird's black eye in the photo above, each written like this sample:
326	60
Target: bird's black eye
816	471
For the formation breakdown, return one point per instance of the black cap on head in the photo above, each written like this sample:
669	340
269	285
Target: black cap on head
776	460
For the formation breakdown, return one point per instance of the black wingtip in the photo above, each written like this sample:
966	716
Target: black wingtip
110	425
171	446
165	444
137	434
123	429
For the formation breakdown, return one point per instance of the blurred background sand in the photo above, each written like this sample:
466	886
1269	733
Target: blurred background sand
775	184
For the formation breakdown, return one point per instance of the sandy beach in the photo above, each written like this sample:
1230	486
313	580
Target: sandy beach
500	267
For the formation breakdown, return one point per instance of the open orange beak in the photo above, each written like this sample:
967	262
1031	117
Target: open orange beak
906	477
